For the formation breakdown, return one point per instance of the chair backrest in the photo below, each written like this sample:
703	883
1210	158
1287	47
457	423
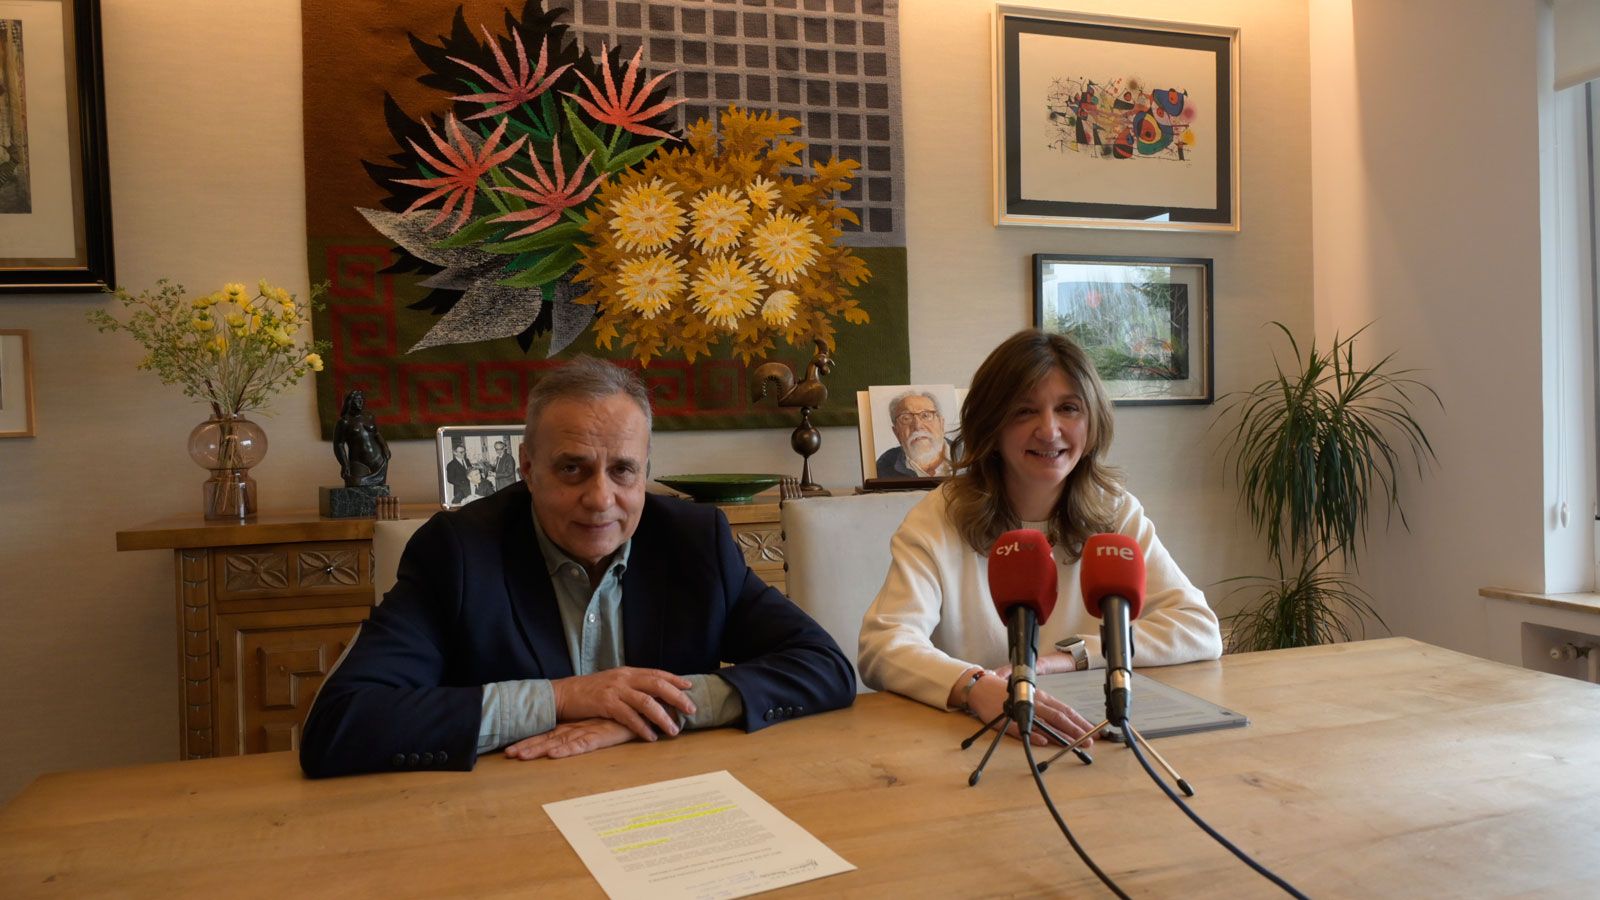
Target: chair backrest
389	537
836	551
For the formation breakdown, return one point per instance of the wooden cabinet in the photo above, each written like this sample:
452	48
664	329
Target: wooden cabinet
265	608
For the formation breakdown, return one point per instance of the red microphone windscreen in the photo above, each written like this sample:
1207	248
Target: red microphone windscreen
1023	573
1112	566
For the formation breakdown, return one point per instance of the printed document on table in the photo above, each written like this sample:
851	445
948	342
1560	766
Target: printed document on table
702	837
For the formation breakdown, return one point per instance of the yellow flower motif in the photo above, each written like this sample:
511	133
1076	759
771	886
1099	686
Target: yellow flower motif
235	321
263	287
780	307
279	336
314	361
202	322
648	217
725	290
283	296
255	323
200	302
720	217
785	246
234	291
220	343
763	192
650	284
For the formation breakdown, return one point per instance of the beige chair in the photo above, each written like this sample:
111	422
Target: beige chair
389	537
836	551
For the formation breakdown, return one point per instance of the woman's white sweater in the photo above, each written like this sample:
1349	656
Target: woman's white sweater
933	618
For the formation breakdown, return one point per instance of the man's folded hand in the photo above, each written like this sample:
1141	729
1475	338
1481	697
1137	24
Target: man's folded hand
626	695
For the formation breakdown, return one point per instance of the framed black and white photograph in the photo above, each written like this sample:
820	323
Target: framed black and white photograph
55	199
1145	322
1109	122
476	460
16	384
908	431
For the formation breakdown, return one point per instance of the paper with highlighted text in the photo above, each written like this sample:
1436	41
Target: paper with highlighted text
705	836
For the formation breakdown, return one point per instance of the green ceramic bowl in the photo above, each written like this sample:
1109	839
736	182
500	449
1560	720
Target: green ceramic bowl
720	488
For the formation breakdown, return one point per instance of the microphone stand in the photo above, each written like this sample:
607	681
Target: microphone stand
1130	735
997	724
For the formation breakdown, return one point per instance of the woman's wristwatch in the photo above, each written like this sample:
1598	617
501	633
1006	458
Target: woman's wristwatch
1075	646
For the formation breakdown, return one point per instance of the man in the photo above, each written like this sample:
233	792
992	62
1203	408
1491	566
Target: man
505	466
569	612
482	484
919	427
455	472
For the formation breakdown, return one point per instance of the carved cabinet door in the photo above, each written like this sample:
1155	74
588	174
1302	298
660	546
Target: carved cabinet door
270	666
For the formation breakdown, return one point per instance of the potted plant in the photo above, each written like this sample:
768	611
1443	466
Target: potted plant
1315	449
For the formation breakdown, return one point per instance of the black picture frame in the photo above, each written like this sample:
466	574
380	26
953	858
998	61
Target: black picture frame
1145	321
1077	149
91	265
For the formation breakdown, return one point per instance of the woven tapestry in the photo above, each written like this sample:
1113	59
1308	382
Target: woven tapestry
687	187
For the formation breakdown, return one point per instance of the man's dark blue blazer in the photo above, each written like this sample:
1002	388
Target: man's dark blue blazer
474	605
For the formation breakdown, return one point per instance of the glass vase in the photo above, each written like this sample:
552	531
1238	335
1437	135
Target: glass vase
228	445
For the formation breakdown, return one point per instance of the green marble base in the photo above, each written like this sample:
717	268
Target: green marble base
350	502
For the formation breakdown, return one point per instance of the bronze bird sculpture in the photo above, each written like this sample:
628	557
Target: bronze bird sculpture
807	394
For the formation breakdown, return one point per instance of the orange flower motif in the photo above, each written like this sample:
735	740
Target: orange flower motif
550	196
461	168
623	108
511	89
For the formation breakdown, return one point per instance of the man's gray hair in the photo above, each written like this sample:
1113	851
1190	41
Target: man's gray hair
898	404
583	378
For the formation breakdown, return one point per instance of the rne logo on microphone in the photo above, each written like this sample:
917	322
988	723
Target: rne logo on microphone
1109	550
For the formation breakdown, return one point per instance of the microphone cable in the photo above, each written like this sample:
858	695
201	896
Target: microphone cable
1050	805
1133	744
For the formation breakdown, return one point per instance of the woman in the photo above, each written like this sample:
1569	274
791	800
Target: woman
1036	426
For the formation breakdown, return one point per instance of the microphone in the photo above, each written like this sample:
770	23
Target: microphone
1112	578
1022	584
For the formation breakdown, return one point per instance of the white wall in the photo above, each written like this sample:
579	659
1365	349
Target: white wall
206	172
1426	220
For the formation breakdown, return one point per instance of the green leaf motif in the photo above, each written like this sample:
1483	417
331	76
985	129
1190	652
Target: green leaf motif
564	233
546	270
630	158
476	231
587	140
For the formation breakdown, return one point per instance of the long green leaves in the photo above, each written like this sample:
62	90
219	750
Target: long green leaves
1299	608
1314	448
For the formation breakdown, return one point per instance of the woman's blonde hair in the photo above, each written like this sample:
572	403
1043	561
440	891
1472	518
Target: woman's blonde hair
978	503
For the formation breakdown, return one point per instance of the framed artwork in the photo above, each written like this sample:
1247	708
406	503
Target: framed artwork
55	200
16	385
1108	122
909	431
476	460
1145	322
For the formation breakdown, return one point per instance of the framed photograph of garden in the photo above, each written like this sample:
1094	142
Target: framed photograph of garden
1144	321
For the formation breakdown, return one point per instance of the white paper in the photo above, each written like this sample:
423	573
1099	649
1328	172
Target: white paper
702	837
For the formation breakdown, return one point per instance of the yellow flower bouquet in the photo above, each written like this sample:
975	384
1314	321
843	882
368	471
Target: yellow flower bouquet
713	241
229	349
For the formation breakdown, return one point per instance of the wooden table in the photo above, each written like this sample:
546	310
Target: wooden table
265	607
1384	768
